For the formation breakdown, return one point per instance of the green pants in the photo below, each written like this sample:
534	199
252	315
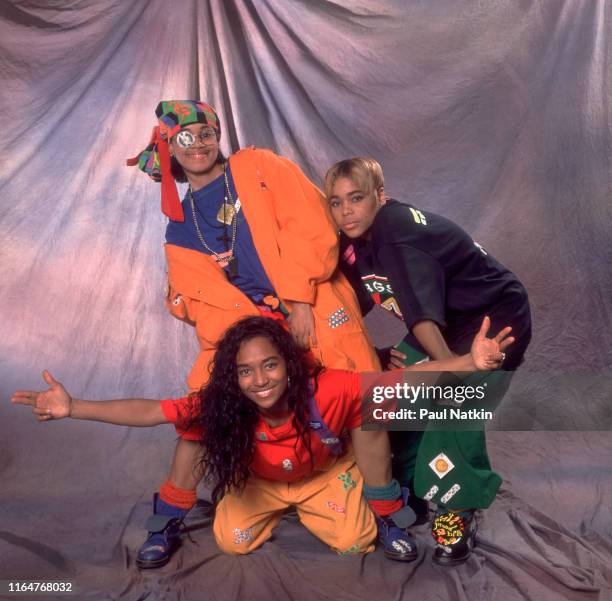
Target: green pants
451	468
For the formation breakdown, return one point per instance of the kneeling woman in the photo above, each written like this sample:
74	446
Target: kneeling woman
271	427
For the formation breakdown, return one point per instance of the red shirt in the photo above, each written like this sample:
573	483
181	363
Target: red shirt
277	457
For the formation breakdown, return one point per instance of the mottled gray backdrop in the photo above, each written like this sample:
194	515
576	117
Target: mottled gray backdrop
495	114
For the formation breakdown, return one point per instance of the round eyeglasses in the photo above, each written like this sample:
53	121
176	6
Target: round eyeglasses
186	138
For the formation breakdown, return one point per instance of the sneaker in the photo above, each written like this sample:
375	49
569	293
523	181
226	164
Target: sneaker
454	534
164	534
397	542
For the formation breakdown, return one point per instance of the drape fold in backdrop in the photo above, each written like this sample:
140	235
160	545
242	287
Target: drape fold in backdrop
495	114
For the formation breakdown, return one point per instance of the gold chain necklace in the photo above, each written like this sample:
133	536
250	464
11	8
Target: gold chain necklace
226	258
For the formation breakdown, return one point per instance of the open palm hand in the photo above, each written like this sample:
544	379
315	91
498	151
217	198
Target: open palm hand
53	403
488	353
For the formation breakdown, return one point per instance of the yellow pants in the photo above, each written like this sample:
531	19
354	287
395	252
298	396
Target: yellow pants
329	504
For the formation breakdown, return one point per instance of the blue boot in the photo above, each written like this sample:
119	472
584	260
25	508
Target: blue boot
164	528
397	542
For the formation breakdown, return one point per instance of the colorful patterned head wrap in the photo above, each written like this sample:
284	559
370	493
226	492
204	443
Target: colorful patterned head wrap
154	160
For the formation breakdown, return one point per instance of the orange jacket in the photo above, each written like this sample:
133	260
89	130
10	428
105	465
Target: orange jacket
298	248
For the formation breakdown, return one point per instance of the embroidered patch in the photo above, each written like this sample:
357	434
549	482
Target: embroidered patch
431	492
450	493
441	465
287	465
347	480
242	536
330	441
350	551
261	435
382	294
418	216
335	507
338	317
448	529
392	305
377	284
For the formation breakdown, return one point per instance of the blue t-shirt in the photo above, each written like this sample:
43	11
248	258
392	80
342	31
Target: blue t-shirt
251	278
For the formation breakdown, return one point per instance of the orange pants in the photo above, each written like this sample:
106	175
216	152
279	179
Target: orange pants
329	504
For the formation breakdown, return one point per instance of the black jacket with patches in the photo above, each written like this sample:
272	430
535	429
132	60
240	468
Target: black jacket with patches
422	266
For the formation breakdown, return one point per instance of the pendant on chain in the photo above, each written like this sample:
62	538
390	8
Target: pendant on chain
226	214
228	259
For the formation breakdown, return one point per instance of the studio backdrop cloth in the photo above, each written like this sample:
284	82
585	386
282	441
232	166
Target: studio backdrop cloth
494	114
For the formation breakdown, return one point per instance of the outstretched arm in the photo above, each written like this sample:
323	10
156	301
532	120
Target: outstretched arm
486	353
56	403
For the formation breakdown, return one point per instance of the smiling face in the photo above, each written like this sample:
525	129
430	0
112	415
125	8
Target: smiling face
262	377
354	209
199	161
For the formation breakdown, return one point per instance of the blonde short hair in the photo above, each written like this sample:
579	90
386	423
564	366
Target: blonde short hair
366	173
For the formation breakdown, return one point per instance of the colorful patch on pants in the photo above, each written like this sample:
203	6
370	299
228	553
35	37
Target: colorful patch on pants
350	551
347	480
335	507
242	536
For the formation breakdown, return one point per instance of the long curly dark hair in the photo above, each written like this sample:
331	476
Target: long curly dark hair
228	418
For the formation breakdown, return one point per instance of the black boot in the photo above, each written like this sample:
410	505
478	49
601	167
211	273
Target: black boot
454	533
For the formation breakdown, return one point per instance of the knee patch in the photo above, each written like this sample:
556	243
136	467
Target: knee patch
357	548
235	541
